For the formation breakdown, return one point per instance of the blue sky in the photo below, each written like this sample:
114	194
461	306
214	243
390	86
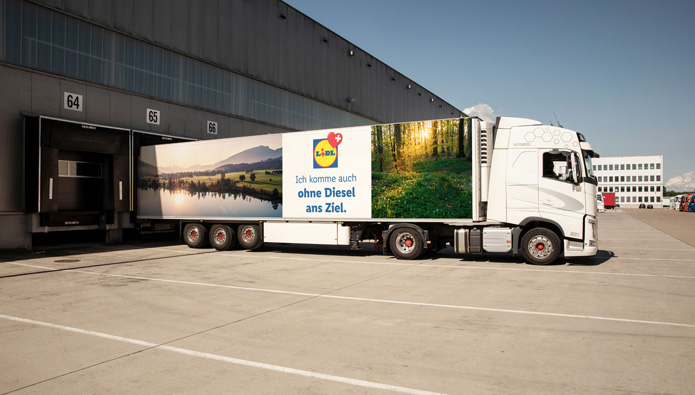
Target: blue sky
622	72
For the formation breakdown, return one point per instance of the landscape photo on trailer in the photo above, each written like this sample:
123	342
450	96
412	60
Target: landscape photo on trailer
422	170
230	178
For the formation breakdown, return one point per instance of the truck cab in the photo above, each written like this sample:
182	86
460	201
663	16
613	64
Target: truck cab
542	177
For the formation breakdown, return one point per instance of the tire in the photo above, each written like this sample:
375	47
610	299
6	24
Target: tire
540	246
195	235
249	236
406	243
222	237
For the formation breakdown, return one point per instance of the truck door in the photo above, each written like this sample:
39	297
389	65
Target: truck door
560	195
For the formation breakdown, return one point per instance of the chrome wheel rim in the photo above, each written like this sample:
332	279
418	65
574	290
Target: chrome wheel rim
540	247
405	242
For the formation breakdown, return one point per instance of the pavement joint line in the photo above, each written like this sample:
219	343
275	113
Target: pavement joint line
446	266
408	303
494	268
222	358
397	302
62	269
657	249
649	259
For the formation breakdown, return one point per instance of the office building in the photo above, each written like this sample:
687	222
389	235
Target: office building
635	180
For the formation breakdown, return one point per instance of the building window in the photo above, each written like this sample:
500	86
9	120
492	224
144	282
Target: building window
634	178
634	199
610	167
622	167
639	178
658	166
640	199
622	199
651	199
622	178
658	188
651	189
634	189
639	167
611	189
600	189
622	189
611	178
634	166
658	199
651	178
639	189
658	178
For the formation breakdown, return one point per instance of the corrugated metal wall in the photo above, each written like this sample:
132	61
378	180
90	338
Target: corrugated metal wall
271	41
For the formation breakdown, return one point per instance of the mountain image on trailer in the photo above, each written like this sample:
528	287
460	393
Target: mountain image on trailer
221	178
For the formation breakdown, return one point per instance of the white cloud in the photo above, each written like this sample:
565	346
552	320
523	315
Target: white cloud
481	110
683	183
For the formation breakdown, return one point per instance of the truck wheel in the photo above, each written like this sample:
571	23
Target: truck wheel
540	246
195	235
222	237
406	243
249	236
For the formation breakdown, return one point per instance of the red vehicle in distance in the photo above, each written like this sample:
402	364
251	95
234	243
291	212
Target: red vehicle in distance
609	200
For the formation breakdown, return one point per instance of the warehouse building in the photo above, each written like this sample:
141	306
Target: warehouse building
88	82
635	180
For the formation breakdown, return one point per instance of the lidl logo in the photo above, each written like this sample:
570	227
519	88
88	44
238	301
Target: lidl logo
326	151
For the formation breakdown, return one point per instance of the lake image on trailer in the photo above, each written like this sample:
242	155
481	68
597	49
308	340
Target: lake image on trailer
232	178
204	204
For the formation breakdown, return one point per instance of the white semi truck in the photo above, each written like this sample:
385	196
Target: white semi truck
515	186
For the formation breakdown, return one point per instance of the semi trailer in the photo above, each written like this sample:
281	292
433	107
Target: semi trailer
515	186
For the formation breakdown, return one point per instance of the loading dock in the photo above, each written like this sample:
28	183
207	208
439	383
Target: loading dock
79	176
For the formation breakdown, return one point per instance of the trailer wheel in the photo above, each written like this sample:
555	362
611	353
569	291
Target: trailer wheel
249	236
405	243
195	235
540	246
222	237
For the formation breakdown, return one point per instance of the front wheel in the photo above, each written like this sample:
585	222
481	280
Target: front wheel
540	246
406	243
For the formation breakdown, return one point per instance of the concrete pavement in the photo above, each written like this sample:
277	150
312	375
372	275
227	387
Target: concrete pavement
168	319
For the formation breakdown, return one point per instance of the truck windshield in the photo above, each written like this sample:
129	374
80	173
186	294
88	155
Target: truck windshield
588	164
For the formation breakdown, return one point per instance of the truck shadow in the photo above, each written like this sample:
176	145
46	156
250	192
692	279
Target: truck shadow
600	258
332	252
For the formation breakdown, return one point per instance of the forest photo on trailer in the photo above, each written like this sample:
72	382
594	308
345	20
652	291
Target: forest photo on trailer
239	177
422	170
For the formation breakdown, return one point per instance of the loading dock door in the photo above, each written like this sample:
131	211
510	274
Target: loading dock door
77	174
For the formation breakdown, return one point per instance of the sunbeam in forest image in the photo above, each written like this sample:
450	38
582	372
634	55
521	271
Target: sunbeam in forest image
412	160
